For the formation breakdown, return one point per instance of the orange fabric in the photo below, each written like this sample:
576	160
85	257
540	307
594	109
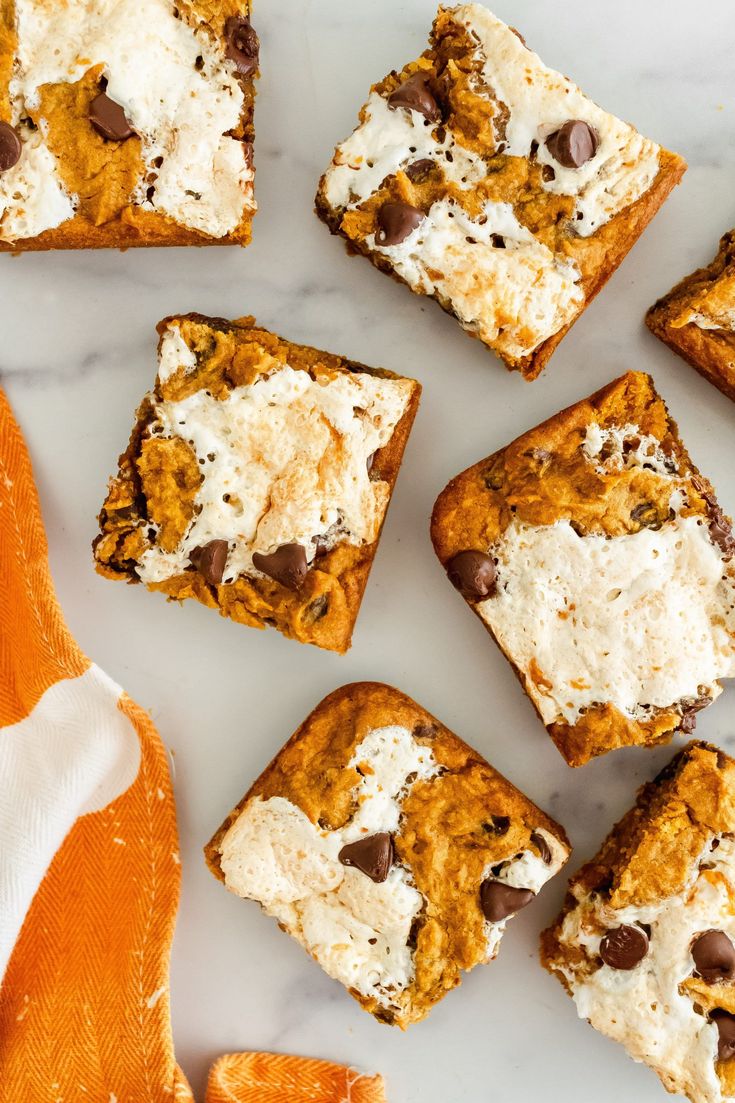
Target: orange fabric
36	648
84	1003
274	1078
84	1010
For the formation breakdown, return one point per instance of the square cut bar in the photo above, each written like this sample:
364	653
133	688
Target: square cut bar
599	560
257	478
645	944
125	123
388	848
482	178
697	318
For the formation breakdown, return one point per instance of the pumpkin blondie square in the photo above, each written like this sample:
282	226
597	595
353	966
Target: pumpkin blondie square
257	478
600	561
645	944
126	123
484	179
388	848
697	318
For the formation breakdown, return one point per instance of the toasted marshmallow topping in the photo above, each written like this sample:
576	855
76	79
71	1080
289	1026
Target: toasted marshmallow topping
642	620
32	197
388	140
620	447
177	89
356	929
512	297
639	620
283	460
644	1008
540	101
174	354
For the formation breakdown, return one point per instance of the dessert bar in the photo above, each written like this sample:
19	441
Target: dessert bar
697	318
488	181
388	848
599	559
645	944
126	123
257	478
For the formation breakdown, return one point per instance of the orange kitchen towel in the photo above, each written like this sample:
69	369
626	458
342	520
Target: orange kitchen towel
89	865
275	1078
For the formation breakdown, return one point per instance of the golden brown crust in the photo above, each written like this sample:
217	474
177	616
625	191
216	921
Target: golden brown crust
543	477
103	174
446	836
158	479
710	351
515	180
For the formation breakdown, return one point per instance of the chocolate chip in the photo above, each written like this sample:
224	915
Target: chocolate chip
373	855
242	45
125	513
317	609
624	947
725	1023
703	488
714	957
10	147
497	241
396	221
542	846
498	825
419	170
603	885
720	531
689	709
498	901
109	119
209	559
413	935
415	95
646	515
473	573
493	478
573	144
286	565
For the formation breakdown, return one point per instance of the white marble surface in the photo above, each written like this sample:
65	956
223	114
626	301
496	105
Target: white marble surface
77	354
